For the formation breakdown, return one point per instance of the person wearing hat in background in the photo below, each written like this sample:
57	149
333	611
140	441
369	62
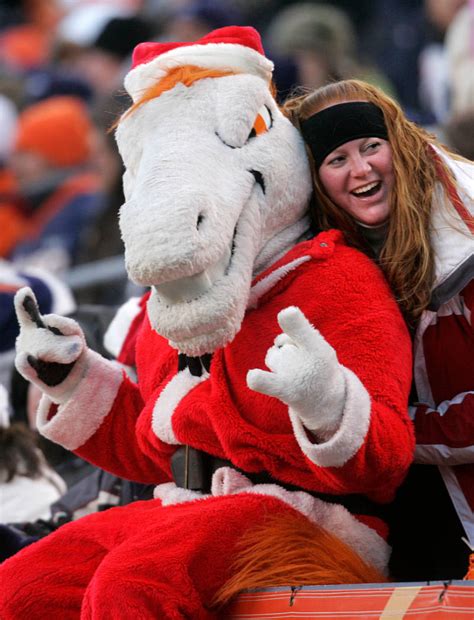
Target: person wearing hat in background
28	483
95	43
58	193
322	41
190	21
458	128
34	500
408	203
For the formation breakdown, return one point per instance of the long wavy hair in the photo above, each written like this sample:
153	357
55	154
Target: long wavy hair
407	255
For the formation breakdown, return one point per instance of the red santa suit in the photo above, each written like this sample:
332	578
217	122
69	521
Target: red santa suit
166	557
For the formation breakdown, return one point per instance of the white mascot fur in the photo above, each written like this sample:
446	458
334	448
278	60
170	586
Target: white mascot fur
273	368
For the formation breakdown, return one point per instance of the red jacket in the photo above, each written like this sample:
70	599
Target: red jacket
132	430
444	378
444	346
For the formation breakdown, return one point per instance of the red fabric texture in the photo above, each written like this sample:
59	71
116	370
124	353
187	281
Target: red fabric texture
234	35
446	348
450	338
149	561
344	295
138	561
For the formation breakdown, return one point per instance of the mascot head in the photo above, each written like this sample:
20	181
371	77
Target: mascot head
216	182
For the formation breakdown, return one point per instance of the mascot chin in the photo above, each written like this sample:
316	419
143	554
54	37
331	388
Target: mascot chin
273	368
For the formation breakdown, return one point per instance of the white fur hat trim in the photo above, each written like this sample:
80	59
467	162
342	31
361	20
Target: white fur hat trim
221	56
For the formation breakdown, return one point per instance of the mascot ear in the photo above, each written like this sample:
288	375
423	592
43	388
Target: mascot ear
244	108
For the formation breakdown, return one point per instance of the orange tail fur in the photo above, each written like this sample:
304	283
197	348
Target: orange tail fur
290	550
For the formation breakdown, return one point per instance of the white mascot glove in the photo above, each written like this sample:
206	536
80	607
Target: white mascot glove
50	350
305	374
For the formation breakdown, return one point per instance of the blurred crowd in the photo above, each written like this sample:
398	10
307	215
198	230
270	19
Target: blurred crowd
62	64
61	68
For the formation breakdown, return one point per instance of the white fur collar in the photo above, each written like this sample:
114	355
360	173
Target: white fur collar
281	243
452	242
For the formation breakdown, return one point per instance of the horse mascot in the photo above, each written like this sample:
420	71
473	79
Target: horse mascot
273	368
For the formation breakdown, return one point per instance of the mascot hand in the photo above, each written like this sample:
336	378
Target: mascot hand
50	350
305	374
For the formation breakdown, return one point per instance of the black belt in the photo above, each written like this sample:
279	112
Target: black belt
193	469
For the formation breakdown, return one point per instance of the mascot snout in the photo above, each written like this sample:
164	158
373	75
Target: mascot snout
198	250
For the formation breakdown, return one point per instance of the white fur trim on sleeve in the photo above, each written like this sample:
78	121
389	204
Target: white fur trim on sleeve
118	329
80	417
349	437
222	56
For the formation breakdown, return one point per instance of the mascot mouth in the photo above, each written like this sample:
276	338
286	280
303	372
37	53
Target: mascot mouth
190	288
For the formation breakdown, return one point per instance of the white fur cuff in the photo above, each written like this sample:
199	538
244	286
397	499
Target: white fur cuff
78	418
332	517
170	494
350	435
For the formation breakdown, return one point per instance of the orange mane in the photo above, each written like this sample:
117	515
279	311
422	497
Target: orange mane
290	550
187	75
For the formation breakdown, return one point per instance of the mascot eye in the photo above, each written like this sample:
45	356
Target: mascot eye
262	123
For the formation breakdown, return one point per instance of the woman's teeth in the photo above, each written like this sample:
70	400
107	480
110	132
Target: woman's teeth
367	190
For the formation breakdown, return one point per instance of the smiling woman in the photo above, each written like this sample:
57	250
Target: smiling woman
358	176
357	137
406	201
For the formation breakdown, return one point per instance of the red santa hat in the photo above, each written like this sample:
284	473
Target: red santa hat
234	48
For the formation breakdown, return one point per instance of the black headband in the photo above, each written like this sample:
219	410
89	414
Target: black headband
326	130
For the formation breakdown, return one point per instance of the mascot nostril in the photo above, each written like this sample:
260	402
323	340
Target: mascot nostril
200	220
258	176
273	366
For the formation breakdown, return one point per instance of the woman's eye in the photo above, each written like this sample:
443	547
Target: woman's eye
262	123
336	160
372	146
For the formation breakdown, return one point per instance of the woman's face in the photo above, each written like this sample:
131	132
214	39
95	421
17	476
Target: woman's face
358	177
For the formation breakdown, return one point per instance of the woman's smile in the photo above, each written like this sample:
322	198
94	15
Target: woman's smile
358	177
